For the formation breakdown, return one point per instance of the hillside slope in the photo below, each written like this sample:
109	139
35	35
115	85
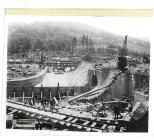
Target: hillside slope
59	34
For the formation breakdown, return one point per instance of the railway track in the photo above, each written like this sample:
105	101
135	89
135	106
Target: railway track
69	122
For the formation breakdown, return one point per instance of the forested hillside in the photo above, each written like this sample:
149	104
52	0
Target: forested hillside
58	36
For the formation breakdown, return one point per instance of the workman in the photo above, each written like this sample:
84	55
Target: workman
116	111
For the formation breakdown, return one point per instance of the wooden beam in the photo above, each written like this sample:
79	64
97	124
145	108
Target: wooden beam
75	120
69	119
86	123
104	126
93	124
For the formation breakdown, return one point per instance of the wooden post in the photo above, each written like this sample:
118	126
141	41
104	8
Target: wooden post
41	94
14	94
32	94
67	93
59	95
23	94
32	91
23	98
41	91
50	94
133	83
59	92
74	90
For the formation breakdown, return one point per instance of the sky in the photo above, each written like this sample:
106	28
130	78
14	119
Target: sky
138	27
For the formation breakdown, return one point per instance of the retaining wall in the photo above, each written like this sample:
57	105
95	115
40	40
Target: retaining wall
64	91
122	86
118	88
100	74
31	81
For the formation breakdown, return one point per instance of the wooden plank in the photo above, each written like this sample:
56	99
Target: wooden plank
78	126
54	121
19	111
65	129
127	117
96	130
36	111
46	119
93	124
86	123
9	108
62	122
64	117
97	89
39	117
12	111
104	126
87	129
75	120
32	115
68	124
116	102
69	119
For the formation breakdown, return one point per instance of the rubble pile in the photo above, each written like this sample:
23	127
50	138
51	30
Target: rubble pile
17	71
81	107
85	109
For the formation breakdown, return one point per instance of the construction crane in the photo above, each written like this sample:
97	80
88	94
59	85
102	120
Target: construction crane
122	61
74	43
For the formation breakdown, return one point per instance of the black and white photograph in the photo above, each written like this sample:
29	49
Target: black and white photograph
78	73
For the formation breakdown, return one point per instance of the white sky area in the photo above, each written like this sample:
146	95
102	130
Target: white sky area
138	27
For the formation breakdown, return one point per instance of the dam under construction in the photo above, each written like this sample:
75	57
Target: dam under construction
73	94
87	93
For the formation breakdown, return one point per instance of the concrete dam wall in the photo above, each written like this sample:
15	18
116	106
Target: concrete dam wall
118	88
36	84
18	86
97	77
111	85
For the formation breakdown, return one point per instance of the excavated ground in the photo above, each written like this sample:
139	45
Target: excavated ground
77	77
84	109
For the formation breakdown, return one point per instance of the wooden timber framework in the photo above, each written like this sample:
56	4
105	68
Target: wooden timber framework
67	120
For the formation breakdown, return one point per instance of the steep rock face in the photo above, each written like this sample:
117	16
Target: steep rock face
59	34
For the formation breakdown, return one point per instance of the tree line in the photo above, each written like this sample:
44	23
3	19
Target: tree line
28	39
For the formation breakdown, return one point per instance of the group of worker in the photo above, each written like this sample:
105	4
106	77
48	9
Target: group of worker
117	110
44	102
51	102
